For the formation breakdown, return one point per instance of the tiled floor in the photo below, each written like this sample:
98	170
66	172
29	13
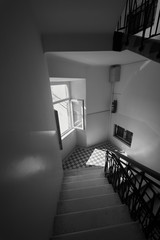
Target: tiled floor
87	157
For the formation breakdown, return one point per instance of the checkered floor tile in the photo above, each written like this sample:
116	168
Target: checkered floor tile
87	157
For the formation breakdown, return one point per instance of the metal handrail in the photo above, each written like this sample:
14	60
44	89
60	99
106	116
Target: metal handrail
136	188
137	17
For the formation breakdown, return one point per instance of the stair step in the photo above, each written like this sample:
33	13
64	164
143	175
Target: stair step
125	231
83	177
82	204
79	221
86	192
83	171
84	184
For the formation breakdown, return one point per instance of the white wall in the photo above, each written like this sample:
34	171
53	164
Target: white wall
24	91
61	67
30	179
98	102
68	143
138	111
29	197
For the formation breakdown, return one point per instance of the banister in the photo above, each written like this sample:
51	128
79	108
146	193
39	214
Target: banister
137	17
136	188
143	168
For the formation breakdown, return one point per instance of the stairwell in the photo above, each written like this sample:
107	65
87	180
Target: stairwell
138	29
150	50
88	208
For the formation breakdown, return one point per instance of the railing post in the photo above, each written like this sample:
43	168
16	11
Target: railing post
144	27
136	190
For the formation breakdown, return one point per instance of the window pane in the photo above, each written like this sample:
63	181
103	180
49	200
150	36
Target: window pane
64	116
59	92
129	136
120	132
78	113
123	135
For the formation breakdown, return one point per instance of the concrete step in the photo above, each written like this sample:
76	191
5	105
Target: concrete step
127	231
83	171
86	192
82	204
80	221
83	177
84	184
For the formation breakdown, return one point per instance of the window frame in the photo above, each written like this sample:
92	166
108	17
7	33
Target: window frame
64	100
70	108
127	135
83	120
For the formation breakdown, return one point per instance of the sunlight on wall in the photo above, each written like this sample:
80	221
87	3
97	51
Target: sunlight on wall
26	167
145	64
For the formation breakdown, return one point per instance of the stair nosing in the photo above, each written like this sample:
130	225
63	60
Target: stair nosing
83	168
100	195
95	229
79	170
82	180
86	180
76	189
90	210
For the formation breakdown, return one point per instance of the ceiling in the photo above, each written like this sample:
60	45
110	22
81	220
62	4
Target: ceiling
69	17
77	16
104	58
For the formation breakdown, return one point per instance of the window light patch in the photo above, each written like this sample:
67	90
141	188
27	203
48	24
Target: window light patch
59	92
97	158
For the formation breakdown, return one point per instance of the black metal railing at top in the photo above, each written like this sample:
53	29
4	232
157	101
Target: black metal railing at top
137	188
139	16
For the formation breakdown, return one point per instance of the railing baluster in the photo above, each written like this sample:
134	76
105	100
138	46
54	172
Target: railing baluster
138	16
120	21
125	15
138	191
157	25
144	26
152	12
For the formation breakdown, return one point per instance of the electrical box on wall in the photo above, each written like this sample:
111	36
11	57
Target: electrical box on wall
114	73
114	106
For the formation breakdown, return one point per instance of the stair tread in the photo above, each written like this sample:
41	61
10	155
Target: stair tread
81	204
88	208
82	171
84	184
85	192
78	221
90	174
125	231
83	177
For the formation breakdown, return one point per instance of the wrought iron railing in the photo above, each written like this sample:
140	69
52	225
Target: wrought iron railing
139	188
139	16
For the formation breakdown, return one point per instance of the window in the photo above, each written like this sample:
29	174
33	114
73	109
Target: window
70	111
123	135
78	113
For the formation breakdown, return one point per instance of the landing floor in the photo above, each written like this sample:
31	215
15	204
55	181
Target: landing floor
88	157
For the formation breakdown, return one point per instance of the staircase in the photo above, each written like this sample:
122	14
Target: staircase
150	50
88	208
138	29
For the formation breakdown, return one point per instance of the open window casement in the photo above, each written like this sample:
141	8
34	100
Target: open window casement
69	112
77	106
